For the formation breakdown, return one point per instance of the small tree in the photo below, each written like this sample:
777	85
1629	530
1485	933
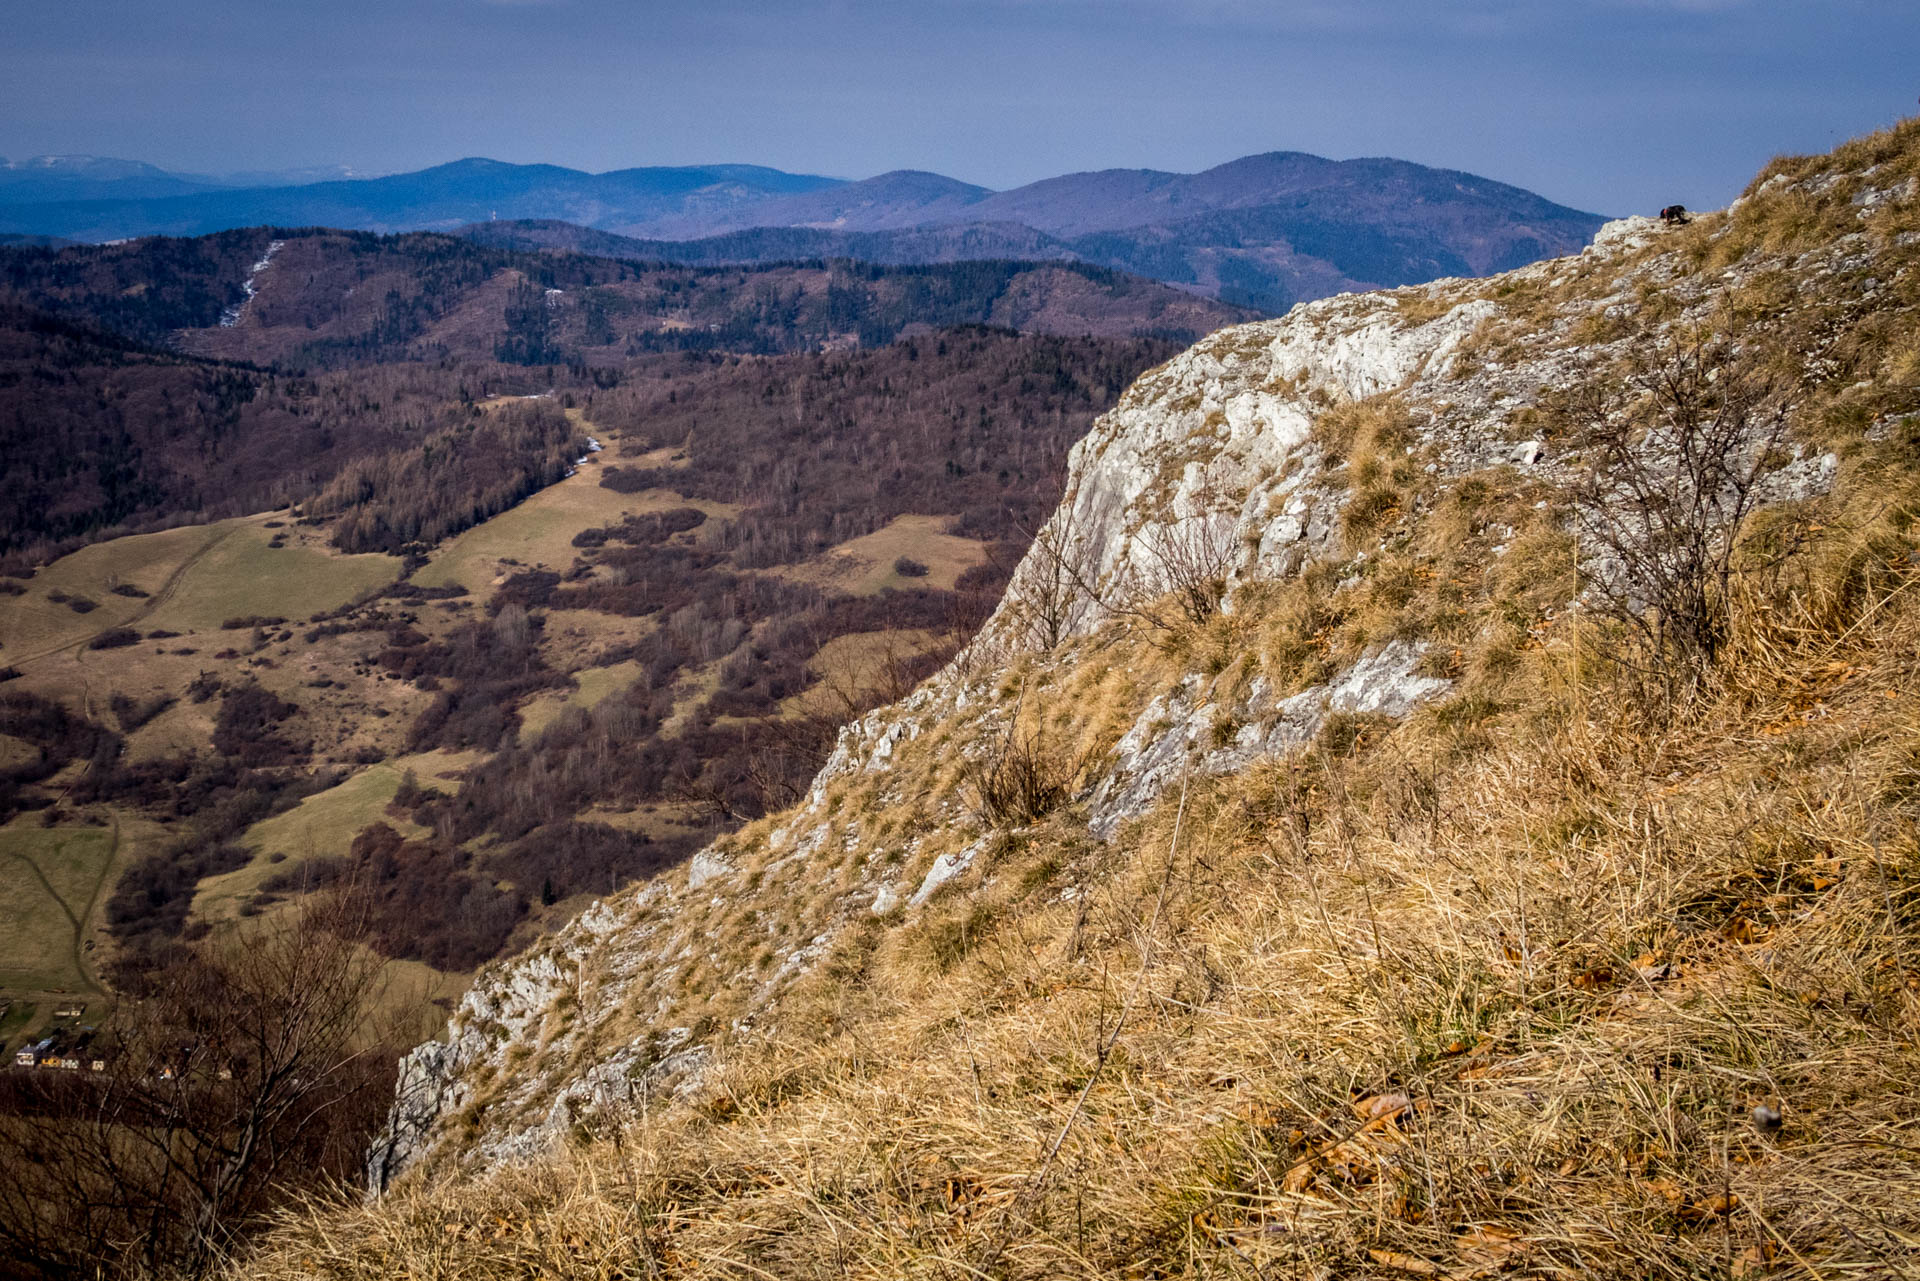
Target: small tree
1051	595
1679	452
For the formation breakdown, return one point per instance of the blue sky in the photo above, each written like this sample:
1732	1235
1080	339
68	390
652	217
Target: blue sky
1610	105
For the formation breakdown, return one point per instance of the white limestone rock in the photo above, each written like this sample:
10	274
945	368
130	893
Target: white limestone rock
944	869
1176	733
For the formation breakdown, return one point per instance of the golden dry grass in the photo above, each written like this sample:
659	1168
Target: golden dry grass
593	685
1392	1014
539	531
322	825
864	566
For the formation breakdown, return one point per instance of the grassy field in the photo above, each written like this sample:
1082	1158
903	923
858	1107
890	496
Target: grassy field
322	824
415	999
34	624
194	578
864	566
852	665
242	575
539	532
14	1020
15	751
54	875
595	685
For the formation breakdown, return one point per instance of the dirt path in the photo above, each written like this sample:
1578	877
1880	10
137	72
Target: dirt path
147	607
79	965
100	884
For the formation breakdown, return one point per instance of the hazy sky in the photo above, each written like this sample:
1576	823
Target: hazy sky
1609	105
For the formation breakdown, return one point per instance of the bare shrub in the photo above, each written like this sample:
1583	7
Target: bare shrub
1052	595
1192	559
1022	780
1182	562
1679	451
237	1078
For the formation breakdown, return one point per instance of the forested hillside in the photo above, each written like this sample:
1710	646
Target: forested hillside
504	635
169	380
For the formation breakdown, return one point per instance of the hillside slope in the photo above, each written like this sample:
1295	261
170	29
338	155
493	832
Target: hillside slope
1313	868
165	379
436	198
317	298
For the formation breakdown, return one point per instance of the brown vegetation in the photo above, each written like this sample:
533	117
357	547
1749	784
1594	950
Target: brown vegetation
240	1076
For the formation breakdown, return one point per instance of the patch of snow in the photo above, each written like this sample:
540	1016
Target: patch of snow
231	316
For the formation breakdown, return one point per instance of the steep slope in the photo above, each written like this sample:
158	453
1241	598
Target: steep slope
1313	867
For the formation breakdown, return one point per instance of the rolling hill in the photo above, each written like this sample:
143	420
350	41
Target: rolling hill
330	298
1264	231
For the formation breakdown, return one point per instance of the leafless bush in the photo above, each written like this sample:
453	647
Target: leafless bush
1052	595
1191	560
1182	561
1678	451
238	1078
1022	780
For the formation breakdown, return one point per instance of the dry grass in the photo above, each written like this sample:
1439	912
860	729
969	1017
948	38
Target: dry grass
539	531
593	685
1403	1012
864	566
320	826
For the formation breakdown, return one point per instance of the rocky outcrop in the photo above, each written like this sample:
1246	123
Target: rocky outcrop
1176	734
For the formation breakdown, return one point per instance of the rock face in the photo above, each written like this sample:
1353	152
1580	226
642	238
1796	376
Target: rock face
1211	480
1173	735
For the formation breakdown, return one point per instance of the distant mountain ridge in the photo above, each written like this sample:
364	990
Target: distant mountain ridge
1264	231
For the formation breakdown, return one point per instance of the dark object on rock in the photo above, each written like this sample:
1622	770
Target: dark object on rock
1675	216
